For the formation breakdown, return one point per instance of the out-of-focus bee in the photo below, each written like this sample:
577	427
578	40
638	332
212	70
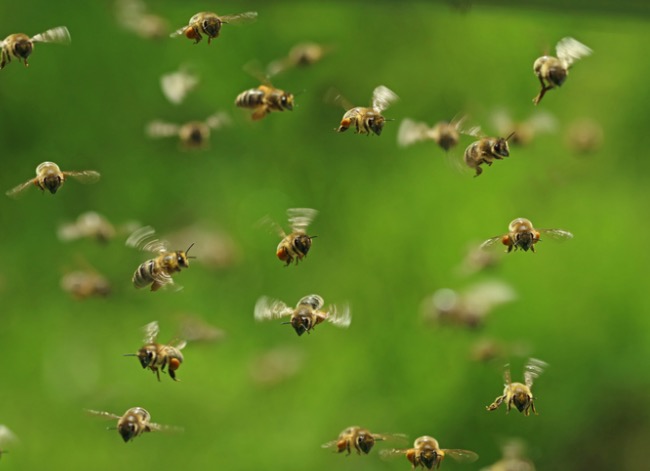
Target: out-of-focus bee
134	16
89	224
306	315
49	176
477	260
194	329
367	120
487	350
514	458
134	422
552	71
84	284
522	235
427	453
359	439
210	24
265	98
20	45
192	135
486	150
300	55
584	136
158	271
276	365
215	248
444	133
176	85
518	394
157	356
524	131
6	437
295	245
468	308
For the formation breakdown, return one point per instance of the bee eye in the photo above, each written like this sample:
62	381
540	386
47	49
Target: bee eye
205	24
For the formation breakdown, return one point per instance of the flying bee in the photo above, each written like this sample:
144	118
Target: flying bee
359	439
486	150
192	135
158	271
306	315
157	356
427	453
444	133
584	136
194	329
518	394
134	16
300	55
20	45
522	235
49	176
367	120
6	437
93	226
524	131
265	98
210	24
134	422
84	284
514	458
176	85
552	71
295	245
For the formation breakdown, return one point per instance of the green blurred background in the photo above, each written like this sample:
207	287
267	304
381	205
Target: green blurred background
394	224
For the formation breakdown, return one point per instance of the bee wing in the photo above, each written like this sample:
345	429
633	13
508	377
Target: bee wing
151	331
490	242
18	190
330	444
532	370
269	223
84	176
279	65
269	309
218	120
382	97
506	374
558	234
178	32
411	132
255	70
141	239
154	427
334	97
462	456
239	18
502	121
178	344
159	128
569	50
392	453
300	218
339	317
59	35
392	437
69	231
313	300
6	435
105	415
176	85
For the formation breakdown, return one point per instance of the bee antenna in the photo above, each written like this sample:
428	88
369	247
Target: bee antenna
188	249
130	355
286	323
312	237
393	119
510	136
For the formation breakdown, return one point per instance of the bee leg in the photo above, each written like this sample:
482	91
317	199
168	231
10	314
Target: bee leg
260	112
479	171
497	402
5	59
155	370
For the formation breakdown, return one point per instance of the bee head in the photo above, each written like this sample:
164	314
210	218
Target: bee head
501	146
376	123
146	355
524	241
211	26
52	183
301	323
182	258
557	74
23	48
286	101
302	243
365	442
128	430
429	457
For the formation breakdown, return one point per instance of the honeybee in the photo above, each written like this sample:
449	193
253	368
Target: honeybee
367	120
83	284
176	85
134	16
92	225
427	453
6	437
524	131
552	71
360	439
157	356
192	135
134	422
486	150
514	458
519	394
216	248
444	133
20	45
265	98
194	329
477	260
295	245
300	55
49	176
210	24
522	235
158	271
306	315
584	136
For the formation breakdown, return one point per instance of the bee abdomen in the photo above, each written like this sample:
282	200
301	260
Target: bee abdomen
252	98
145	274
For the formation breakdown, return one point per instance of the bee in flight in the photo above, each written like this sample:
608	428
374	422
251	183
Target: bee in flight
134	422
300	55
522	235
158	271
552	71
444	133
518	394
6	437
524	131
93	225
157	356
210	24
367	120
20	45
514	458
486	150
359	439
265	98
176	85
84	284
307	314
133	15
192	135
427	453
49	176
295	245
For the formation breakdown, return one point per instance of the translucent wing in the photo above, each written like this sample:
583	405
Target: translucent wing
330	444
151	331
506	374
165	428
269	223
392	453
240	18
6	435
532	370
558	234
392	437
162	129
334	97
569	50
411	132
490	242
218	120
195	329
84	176
105	415
462	456
339	317
269	309
59	35
382	97
300	218
18	190
141	239
176	85
313	300
178	344
178	32
502	121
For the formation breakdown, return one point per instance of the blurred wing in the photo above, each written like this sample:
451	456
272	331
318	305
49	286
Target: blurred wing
165	428
176	85
218	120
69	231
532	370
340	317
162	129
334	97
278	66
255	69
382	97
557	234
569	50
6	435
141	239
240	18
151	331
490	242
411	132
392	437
178	344
506	374
105	415
313	300
502	122
18	190
462	456
330	444
59	35
269	309
178	32
269	223
85	176
392	453
300	218
485	295
542	122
